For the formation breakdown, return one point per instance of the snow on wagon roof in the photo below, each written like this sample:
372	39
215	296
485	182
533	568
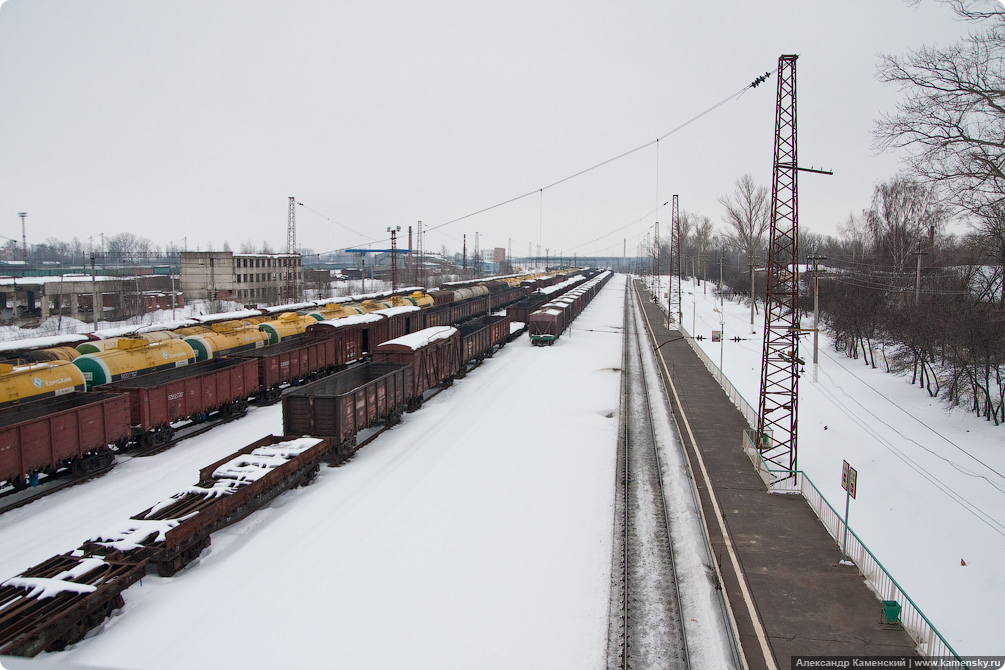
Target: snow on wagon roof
352	320
421	338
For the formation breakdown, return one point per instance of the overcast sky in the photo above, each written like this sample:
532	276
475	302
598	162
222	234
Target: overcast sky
194	121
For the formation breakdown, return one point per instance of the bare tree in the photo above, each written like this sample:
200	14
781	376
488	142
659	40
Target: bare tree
952	119
855	234
904	212
746	215
703	233
128	247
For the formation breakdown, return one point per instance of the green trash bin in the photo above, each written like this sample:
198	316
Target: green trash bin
890	617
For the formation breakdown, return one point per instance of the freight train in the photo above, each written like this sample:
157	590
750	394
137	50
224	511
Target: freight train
321	422
174	382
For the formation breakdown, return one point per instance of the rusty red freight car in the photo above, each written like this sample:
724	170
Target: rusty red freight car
476	341
293	361
434	354
340	406
193	392
362	332
74	430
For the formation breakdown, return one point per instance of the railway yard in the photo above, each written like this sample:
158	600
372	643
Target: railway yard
438	518
459	497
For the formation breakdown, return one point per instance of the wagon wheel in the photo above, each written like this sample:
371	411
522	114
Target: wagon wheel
149	439
309	476
19	483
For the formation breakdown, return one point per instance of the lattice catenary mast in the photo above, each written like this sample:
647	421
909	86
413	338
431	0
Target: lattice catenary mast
290	287
777	415
674	308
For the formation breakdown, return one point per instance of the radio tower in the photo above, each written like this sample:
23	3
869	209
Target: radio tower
777	416
291	248
674	308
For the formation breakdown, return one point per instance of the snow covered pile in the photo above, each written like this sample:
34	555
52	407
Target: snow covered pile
48	587
138	533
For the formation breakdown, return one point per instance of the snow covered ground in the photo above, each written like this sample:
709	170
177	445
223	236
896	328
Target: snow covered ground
931	483
477	533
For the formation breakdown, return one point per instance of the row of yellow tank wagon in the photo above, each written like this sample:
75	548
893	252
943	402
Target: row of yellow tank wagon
65	369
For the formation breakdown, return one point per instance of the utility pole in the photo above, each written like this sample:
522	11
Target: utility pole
816	304
751	264
464	256
95	298
476	258
917	282
411	264
394	256
419	278
24	237
656	263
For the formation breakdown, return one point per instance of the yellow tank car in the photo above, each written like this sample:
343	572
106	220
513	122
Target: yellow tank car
288	325
51	354
371	306
226	338
20	383
331	312
133	357
416	299
94	346
185	331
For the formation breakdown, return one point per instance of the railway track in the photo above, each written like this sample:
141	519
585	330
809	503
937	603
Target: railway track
12	499
646	623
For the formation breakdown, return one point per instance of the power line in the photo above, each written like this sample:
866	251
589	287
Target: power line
541	190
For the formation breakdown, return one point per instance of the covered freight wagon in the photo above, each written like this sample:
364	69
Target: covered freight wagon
434	354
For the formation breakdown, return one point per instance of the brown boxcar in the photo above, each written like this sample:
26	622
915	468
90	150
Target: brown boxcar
76	430
191	392
546	324
345	403
293	361
402	320
366	329
499	329
434	354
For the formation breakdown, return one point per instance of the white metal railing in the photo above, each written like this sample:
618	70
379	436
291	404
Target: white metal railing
930	640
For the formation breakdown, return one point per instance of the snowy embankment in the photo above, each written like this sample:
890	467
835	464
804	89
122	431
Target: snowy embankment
931	488
477	533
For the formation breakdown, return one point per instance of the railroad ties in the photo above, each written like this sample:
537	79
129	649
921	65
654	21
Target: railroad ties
55	603
646	626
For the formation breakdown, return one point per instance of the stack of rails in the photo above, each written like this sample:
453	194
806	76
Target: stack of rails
56	603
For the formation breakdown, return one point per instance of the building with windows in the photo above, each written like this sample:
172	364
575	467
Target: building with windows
244	278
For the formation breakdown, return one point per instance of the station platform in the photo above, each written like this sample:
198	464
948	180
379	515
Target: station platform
781	570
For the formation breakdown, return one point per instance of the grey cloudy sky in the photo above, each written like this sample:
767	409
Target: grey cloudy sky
198	118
